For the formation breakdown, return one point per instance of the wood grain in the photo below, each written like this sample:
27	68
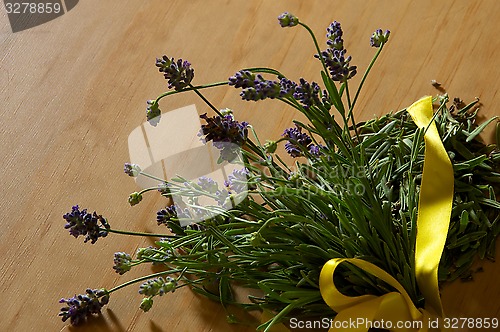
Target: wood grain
73	89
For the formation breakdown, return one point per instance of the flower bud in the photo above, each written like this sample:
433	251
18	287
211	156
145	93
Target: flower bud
146	304
132	170
134	198
288	20
379	38
270	146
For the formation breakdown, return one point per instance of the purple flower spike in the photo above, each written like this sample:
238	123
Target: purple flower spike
227	134
338	65
242	79
297	141
334	34
315	150
334	56
158	286
238	180
86	224
255	87
307	94
80	307
208	184
178	73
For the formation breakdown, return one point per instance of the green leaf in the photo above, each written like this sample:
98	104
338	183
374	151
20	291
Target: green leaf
497	135
479	129
464	221
470	164
333	93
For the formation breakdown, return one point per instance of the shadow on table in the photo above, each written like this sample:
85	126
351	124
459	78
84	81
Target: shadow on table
101	324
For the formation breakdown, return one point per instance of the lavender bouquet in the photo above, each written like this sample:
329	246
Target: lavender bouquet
352	192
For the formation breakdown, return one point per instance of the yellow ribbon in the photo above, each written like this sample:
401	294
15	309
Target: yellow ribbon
434	212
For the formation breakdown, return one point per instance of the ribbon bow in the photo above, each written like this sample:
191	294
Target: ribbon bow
434	212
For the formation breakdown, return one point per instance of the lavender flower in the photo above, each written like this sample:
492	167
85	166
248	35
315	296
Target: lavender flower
338	65
122	262
255	87
262	89
80	307
238	180
315	150
166	214
288	20
334	34
158	286
227	134
86	224
178	73
132	170
297	141
287	87
224	129
222	198
334	56
208	185
170	217
379	38
325	99
307	94
242	79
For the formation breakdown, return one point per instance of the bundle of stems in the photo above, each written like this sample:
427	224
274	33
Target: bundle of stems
352	192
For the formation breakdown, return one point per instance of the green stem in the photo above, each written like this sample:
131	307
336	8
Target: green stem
191	88
147	189
118	231
206	100
364	78
152	177
265	70
351	114
347	94
317	47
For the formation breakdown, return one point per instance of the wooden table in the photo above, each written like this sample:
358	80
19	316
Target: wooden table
74	88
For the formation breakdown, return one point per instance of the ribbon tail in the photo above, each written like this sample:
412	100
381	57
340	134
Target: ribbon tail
434	207
356	318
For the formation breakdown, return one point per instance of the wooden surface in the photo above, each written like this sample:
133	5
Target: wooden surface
73	89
